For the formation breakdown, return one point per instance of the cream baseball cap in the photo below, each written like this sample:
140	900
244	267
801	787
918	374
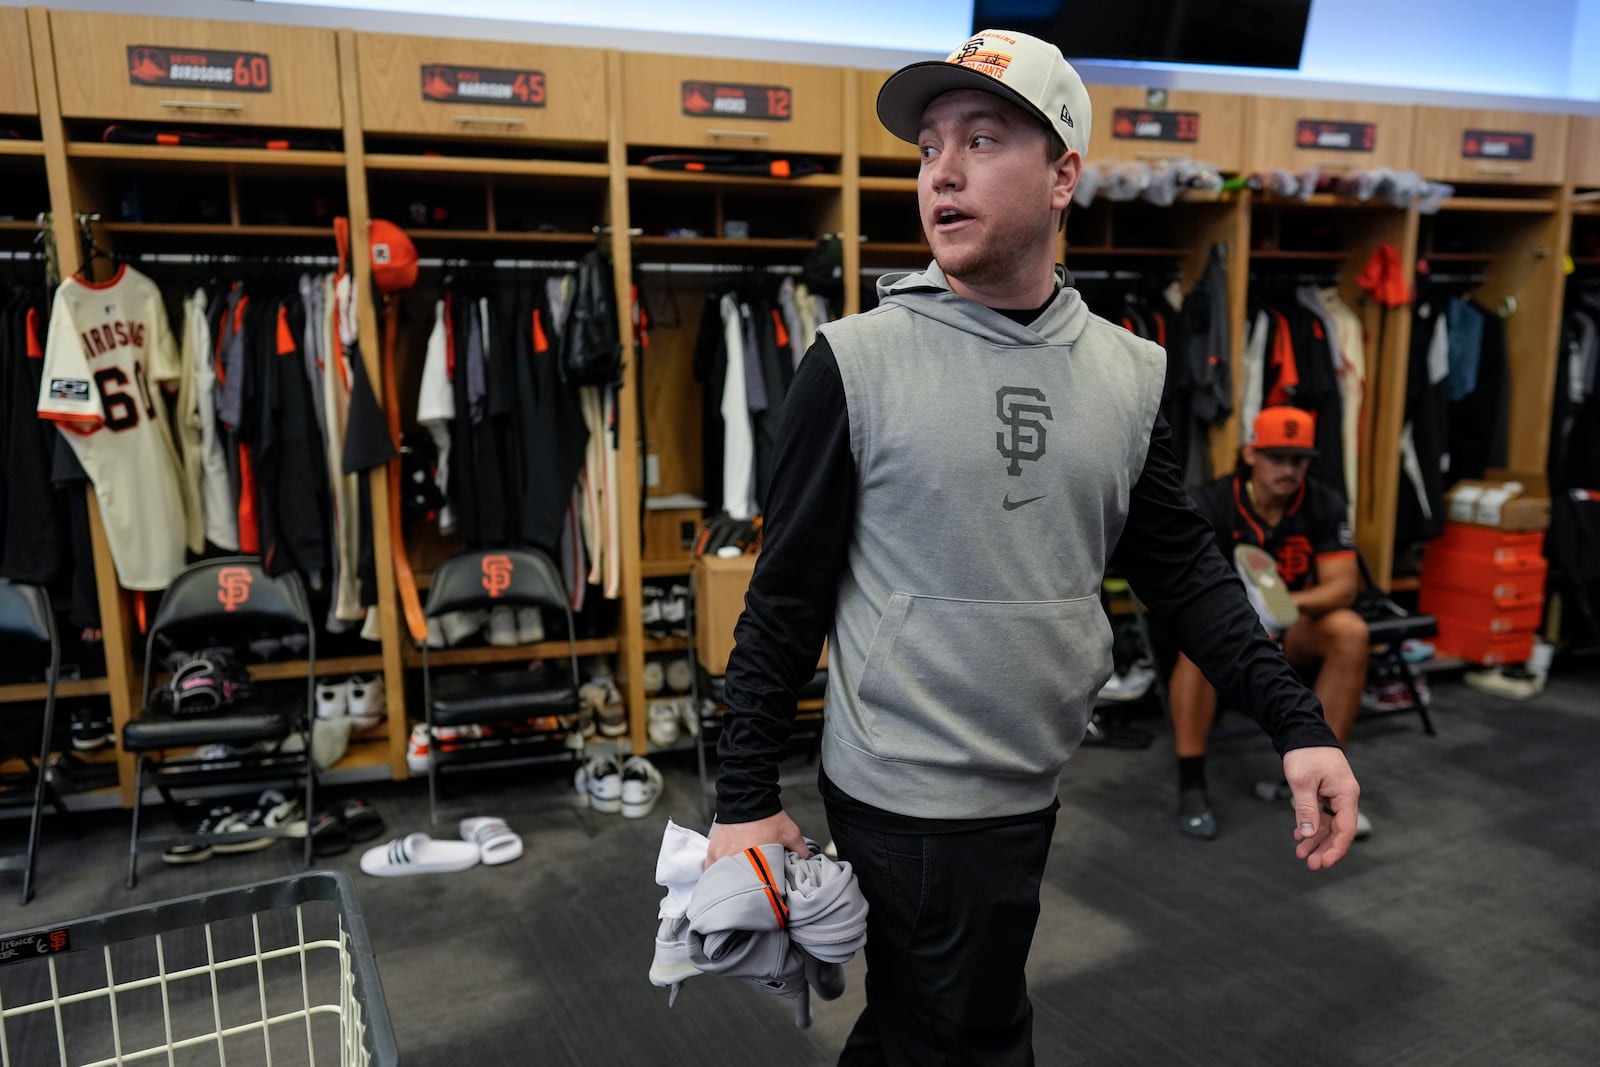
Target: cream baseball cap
1025	69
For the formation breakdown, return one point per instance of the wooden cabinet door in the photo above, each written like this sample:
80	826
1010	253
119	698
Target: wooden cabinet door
1583	169
17	95
1208	127
875	141
697	102
432	85
1337	134
185	70
1468	145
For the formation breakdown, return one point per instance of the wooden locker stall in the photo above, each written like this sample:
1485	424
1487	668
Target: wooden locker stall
495	160
891	232
695	233
1150	125
1328	239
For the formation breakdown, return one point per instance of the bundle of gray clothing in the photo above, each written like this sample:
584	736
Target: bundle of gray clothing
783	922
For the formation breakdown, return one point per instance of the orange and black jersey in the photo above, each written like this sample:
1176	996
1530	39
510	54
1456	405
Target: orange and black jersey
1313	527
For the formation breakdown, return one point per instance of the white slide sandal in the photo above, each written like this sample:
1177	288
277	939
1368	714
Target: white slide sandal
492	838
418	854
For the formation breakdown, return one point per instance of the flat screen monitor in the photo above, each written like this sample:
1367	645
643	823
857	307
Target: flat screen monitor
1232	33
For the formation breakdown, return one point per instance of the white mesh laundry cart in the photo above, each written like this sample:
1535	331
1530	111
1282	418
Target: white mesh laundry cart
279	972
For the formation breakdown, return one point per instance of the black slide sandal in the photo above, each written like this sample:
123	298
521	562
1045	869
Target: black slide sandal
361	820
328	835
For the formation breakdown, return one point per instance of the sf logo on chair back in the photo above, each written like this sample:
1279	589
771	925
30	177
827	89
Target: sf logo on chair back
233	587
496	574
1025	438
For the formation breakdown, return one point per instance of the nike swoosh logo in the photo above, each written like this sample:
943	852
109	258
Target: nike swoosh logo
1013	505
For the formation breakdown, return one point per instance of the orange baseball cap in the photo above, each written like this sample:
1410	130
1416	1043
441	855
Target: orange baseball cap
394	257
1285	429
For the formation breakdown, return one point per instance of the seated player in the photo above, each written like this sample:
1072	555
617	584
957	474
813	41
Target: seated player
1269	504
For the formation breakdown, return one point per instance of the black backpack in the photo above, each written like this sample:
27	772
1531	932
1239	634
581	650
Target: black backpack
591	349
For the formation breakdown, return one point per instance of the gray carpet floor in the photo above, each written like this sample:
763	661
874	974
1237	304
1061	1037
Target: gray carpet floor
1465	931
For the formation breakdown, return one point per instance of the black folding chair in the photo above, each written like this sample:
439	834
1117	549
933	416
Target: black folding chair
223	602
529	713
25	616
1389	626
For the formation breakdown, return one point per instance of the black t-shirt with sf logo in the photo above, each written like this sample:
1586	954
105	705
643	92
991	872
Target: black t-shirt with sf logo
1313	527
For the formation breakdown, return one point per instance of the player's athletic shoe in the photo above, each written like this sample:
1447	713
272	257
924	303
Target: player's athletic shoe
1265	588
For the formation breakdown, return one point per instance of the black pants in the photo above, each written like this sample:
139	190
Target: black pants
951	922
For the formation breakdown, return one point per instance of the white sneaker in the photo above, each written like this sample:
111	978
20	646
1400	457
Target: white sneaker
641	787
653	677
662	716
680	676
502	627
333	699
675	610
1265	588
435	638
530	626
687	717
605	701
600	779
366	703
458	626
1128	687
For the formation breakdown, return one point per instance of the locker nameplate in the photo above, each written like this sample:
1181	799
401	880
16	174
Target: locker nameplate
722	100
200	68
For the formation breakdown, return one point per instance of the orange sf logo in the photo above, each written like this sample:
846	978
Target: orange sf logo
233	587
496	574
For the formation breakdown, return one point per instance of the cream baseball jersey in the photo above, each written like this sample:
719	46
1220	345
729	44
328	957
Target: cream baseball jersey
109	351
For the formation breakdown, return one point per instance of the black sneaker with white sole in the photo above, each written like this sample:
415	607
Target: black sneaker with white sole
200	851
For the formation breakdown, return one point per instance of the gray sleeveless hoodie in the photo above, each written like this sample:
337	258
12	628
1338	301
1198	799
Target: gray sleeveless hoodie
995	463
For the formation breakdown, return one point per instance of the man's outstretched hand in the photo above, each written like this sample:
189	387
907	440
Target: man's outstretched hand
727	839
1322	782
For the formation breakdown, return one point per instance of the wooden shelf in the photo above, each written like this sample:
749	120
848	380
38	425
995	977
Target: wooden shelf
810	181
773	244
252	157
81	687
421	236
459	657
531	168
1588	208
1454	257
889	185
22	148
665	568
663	644
1114	250
1496	205
1324	201
215	229
18	226
895	248
326	668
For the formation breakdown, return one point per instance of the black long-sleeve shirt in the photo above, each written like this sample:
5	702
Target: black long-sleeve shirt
1167	552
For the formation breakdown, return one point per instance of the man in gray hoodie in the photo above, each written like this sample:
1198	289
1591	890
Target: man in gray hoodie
955	471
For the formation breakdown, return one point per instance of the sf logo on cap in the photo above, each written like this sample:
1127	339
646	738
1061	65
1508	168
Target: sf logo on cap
233	587
496	574
1025	437
1291	428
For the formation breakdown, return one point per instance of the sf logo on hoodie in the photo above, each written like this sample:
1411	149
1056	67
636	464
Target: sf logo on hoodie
1024	436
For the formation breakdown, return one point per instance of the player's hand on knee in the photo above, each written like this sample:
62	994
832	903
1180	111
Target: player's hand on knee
728	839
1325	798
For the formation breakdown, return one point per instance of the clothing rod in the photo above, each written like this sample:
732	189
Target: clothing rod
1474	279
716	268
498	264
230	260
1119	275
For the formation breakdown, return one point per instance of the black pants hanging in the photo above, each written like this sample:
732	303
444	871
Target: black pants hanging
952	917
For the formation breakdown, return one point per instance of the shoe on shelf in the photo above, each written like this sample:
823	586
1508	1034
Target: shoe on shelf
435	638
502	631
200	851
1195	817
91	728
333	699
459	626
662	719
1265	588
365	701
1128	686
687	718
650	611
530	626
600	780
675	610
604	701
641	787
680	676
417	749
653	677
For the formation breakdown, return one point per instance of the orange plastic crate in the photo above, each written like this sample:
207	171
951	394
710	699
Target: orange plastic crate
1519	577
1476	644
1489	543
1500	615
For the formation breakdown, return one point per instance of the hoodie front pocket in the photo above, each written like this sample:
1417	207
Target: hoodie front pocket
995	687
